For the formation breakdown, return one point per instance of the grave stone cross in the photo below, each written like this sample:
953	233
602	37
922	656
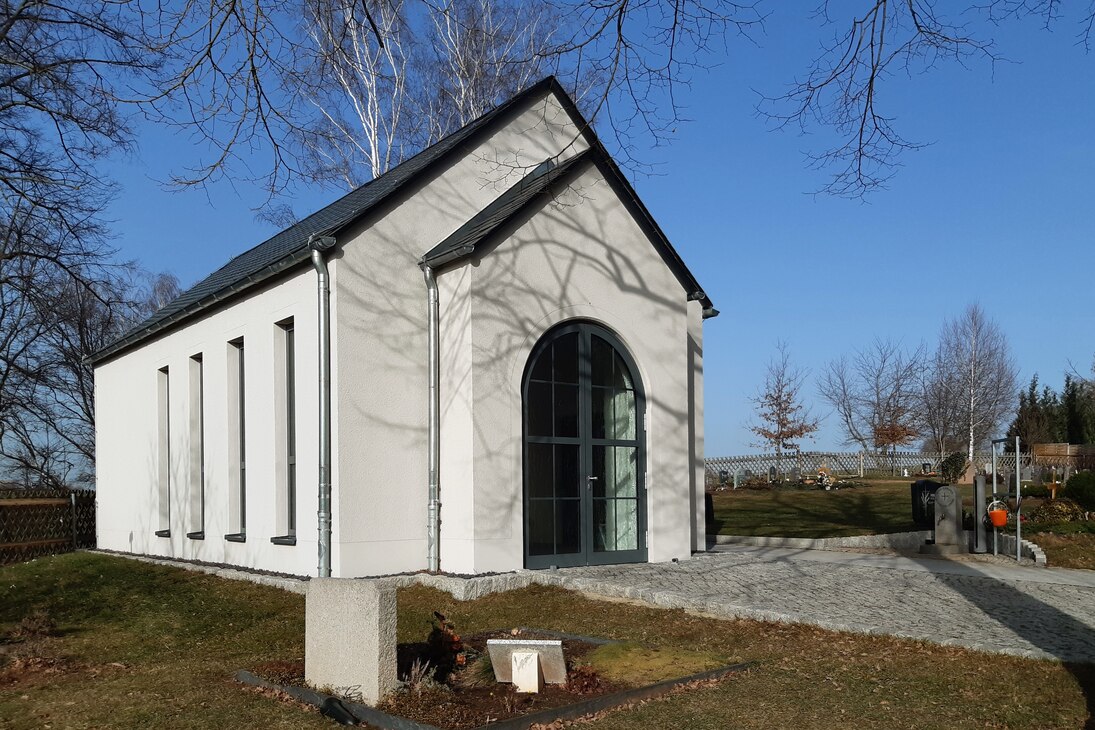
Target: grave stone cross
947	533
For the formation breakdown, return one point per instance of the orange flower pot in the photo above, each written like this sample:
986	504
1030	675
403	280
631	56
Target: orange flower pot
998	517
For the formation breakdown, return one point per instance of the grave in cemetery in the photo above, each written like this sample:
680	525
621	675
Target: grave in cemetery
528	663
355	672
948	538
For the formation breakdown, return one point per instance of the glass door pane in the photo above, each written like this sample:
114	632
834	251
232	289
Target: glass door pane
584	496
615	498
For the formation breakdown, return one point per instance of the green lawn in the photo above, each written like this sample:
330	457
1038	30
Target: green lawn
138	645
878	508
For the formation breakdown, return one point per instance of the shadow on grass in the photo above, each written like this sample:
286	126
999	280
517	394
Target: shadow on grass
812	513
1056	632
1045	626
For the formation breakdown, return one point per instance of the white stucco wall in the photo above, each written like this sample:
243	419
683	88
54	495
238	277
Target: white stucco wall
127	446
695	424
381	329
582	256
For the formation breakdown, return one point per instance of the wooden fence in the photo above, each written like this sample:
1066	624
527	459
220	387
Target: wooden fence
1075	456
721	470
35	522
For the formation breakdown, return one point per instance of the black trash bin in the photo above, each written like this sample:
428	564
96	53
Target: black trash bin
923	502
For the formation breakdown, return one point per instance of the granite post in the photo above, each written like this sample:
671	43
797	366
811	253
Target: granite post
350	637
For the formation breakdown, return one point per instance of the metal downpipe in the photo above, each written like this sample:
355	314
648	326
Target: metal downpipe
319	246
433	524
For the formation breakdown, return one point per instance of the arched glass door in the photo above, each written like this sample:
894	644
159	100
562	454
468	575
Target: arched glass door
584	451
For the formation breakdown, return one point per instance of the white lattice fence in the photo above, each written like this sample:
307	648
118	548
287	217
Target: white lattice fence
846	463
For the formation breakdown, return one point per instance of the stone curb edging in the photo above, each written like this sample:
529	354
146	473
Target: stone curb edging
364	713
284	582
893	540
1028	550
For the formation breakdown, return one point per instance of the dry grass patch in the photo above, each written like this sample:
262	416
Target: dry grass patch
805	677
139	645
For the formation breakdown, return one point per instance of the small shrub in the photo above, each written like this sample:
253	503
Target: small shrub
953	467
1081	489
420	676
1037	491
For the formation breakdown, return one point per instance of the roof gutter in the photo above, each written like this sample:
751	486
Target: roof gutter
125	343
447	257
433	516
708	312
320	245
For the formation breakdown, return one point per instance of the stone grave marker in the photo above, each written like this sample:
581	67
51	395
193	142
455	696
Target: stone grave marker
795	474
772	475
551	662
949	538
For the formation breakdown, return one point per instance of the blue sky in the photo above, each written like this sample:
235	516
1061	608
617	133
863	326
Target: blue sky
999	209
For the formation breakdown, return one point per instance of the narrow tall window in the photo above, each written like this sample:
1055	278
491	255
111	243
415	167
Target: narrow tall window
291	427
197	448
237	443
163	451
286	434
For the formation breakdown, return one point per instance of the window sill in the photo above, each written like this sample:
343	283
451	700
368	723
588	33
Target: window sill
163	533
284	540
199	535
236	537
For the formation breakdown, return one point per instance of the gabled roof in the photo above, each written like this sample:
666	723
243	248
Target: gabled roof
467	237
481	229
290	248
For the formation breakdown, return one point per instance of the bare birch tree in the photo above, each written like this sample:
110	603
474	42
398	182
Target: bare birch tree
973	378
358	84
783	418
875	394
482	52
386	83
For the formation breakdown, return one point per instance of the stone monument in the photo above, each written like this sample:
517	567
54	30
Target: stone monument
948	537
528	663
349	637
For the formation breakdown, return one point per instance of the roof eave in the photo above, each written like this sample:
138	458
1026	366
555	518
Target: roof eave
127	343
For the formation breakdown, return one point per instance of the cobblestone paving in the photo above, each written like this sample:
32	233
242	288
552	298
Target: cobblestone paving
1034	618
